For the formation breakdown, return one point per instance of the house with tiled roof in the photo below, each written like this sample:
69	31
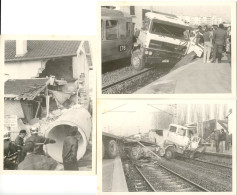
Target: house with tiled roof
26	59
41	75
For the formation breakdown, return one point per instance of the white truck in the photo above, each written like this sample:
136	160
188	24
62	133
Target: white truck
180	140
163	38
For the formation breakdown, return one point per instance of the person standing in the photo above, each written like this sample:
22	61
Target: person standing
217	139
207	37
39	141
228	44
219	41
222	140
212	140
19	141
10	153
199	37
70	147
34	161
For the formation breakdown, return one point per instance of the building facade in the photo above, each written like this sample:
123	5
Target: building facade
201	20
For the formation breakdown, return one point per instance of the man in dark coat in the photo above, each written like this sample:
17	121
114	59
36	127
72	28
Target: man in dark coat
70	147
39	141
219	41
19	141
10	153
34	161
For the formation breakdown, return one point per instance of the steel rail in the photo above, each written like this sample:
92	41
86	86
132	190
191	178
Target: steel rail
207	162
144	177
185	179
126	79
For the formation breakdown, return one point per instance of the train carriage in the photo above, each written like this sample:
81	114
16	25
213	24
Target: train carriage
116	35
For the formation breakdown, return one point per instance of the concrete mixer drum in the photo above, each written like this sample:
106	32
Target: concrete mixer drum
60	129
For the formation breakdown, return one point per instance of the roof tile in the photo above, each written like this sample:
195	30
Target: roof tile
41	49
24	88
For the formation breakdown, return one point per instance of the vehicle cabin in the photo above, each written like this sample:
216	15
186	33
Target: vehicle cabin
163	38
117	32
179	135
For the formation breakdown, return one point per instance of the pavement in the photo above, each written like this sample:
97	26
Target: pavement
213	150
195	77
113	179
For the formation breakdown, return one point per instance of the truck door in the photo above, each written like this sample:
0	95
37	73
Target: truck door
181	137
171	135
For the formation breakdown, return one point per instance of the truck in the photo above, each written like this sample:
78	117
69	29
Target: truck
163	38
180	140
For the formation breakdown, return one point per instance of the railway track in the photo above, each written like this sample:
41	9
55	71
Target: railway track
130	84
160	178
205	162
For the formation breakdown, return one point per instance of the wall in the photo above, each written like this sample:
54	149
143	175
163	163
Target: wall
23	70
137	18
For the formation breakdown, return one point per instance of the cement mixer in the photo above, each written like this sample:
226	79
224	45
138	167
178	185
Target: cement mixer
59	129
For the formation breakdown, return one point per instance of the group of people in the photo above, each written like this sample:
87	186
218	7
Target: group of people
215	39
30	155
221	140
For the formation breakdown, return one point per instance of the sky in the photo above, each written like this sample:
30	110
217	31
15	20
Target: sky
130	118
221	11
124	118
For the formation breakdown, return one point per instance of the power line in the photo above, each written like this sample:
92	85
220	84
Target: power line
161	110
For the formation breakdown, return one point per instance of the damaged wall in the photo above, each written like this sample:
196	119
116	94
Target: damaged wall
61	68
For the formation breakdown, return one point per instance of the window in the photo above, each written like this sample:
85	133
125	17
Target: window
122	29
129	29
181	132
111	29
168	30
132	10
173	129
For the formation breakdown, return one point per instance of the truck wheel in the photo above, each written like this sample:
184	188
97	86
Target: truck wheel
169	153
137	60
112	149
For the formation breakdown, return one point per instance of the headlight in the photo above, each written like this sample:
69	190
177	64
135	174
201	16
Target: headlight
146	52
150	53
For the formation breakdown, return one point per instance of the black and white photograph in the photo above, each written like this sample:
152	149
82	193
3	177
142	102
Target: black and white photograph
173	48
167	146
48	105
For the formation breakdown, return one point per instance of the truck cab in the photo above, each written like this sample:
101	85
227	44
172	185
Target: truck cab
163	38
180	140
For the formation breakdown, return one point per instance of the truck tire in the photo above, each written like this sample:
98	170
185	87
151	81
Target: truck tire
169	153
137	60
112	149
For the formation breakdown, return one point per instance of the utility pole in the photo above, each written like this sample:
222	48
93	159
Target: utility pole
175	113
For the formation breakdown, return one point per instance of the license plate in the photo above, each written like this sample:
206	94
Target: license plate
122	48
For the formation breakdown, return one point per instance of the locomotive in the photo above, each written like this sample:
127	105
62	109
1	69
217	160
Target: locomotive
117	32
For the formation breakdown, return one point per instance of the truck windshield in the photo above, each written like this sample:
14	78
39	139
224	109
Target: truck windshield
181	131
168	30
